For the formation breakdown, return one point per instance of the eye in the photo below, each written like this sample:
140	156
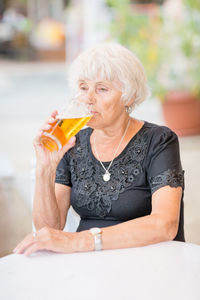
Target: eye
102	89
83	87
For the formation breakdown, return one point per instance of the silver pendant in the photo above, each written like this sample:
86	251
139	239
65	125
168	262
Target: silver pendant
106	176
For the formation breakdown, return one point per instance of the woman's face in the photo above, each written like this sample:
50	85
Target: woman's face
105	101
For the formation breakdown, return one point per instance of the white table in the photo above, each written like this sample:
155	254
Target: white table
169	270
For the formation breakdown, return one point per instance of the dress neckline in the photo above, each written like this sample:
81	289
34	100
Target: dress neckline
124	150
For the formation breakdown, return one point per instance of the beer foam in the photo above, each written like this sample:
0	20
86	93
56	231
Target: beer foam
74	110
70	115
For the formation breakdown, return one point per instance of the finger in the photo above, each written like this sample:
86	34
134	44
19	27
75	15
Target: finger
28	237
37	139
51	120
29	240
33	248
47	125
54	113
43	129
68	146
23	247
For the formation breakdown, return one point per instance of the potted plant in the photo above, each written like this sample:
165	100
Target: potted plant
179	72
169	47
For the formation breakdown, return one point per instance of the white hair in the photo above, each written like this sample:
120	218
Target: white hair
115	63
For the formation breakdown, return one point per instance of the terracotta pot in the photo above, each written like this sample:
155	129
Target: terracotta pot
181	111
148	1
149	9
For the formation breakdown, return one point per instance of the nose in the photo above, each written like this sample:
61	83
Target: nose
91	96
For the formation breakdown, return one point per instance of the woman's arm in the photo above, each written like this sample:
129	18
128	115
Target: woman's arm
51	201
161	225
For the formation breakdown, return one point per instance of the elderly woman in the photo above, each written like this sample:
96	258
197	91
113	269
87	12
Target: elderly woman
123	176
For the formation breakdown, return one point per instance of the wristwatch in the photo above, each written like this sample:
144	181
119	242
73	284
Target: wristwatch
97	233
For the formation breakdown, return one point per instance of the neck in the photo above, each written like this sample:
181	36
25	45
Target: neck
111	133
106	176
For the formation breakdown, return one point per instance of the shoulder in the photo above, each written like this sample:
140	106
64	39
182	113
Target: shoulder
156	129
159	133
163	161
84	134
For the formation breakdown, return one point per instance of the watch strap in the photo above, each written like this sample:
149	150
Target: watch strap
97	242
97	234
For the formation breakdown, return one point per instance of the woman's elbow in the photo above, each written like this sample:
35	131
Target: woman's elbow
168	229
173	231
39	223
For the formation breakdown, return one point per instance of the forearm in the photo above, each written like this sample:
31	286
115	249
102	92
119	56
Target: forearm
139	232
45	208
134	233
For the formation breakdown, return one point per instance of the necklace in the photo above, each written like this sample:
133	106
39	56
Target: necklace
106	176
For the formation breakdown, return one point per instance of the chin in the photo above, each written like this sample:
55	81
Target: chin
94	124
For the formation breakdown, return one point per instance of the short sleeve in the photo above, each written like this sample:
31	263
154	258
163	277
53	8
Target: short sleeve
63	174
164	164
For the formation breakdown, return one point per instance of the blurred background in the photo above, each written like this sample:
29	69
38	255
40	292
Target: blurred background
38	41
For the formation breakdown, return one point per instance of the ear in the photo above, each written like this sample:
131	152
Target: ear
129	109
130	102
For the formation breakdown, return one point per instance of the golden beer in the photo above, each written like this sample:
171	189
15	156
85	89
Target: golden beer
61	132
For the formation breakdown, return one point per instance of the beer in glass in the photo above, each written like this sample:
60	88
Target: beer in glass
68	123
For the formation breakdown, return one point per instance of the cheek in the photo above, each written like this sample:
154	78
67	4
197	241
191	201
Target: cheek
107	104
114	106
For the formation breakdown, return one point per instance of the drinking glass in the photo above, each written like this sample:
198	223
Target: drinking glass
70	120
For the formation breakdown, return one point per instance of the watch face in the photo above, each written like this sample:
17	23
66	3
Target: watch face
95	230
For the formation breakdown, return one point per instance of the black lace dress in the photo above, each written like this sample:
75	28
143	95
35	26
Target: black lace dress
150	161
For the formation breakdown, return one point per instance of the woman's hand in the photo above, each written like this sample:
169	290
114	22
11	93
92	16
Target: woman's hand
49	239
45	157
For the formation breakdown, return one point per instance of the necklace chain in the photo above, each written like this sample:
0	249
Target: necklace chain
106	176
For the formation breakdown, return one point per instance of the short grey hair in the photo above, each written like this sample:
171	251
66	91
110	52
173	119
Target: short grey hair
114	63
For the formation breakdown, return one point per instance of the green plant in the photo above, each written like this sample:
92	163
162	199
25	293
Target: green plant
180	68
168	47
190	42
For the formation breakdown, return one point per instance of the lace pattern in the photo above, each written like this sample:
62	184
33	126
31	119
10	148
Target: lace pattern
62	177
170	177
91	191
85	174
